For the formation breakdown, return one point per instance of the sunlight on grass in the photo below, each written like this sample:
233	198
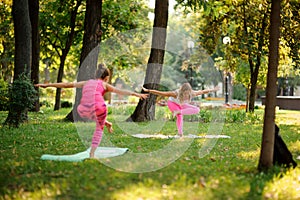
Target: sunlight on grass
228	172
284	186
154	190
288	117
295	147
182	188
249	155
56	117
46	192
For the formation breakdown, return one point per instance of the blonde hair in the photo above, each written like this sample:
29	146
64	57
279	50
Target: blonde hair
186	87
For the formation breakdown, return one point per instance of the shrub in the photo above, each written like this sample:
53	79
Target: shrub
4	99
66	104
239	92
22	96
45	103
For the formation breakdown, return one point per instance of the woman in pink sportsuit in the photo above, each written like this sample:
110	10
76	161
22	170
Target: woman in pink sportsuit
92	104
179	102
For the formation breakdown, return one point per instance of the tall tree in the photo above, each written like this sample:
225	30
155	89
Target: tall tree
267	147
34	19
145	109
22	31
246	24
65	51
89	53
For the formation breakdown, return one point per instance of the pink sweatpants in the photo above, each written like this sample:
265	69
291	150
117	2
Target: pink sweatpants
98	113
184	109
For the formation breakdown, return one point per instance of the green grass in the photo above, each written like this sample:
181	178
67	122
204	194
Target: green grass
228	171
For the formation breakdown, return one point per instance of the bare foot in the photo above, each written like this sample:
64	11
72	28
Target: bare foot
109	127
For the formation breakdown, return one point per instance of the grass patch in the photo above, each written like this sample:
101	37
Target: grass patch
228	171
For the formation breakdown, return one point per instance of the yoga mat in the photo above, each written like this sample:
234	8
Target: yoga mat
101	152
160	136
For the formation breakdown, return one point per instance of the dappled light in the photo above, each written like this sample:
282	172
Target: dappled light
284	186
288	117
295	146
228	171
249	155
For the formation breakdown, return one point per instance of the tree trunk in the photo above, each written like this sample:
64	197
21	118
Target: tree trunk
145	109
255	70
65	52
59	79
34	19
267	147
90	49
252	92
22	31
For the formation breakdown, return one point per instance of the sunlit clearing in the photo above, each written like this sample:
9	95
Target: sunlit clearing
295	146
284	186
139	192
289	117
46	192
248	155
56	117
154	190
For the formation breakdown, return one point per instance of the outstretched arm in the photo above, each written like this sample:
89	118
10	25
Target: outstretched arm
161	93
199	92
61	85
113	89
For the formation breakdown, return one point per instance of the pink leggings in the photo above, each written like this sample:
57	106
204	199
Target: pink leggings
97	113
184	109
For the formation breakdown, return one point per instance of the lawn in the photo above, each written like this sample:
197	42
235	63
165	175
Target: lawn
227	169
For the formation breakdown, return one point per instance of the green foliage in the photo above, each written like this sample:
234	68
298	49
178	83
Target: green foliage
46	103
7	40
121	16
4	98
22	96
239	92
288	180
290	30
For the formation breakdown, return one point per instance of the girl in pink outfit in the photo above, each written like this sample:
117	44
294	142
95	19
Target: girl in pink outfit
179	102
92	104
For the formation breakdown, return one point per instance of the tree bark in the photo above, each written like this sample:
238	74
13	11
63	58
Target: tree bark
22	61
90	49
22	29
145	109
267	146
34	19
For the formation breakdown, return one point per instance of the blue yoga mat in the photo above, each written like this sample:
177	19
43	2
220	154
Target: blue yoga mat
101	152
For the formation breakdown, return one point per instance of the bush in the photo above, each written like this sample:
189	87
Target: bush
22	96
66	104
4	99
239	92
46	103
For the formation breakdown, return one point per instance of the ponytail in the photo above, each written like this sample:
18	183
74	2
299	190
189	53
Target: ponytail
102	71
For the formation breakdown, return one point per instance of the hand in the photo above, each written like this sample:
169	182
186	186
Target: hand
40	85
143	96
216	88
145	89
